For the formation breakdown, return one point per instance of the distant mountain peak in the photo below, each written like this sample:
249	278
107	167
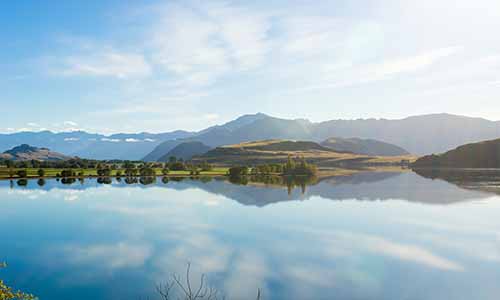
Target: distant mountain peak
23	148
239	122
27	152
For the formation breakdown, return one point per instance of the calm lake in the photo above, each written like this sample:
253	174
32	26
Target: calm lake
383	235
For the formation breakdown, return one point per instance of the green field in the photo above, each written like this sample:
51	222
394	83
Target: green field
49	172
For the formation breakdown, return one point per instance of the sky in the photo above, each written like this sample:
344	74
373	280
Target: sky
112	66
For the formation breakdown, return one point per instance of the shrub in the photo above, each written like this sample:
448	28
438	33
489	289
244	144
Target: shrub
8	293
177	166
238	171
22	173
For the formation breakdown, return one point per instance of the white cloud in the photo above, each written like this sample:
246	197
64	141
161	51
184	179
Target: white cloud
495	83
108	63
131	140
71	139
486	250
211	116
112	256
70	123
250	271
149	140
110	140
219	50
412	253
344	243
71	195
201	45
345	74
409	64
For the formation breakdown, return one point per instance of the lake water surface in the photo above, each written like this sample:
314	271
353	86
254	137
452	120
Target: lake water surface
378	235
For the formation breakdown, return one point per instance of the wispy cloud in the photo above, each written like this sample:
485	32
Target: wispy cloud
408	64
201	45
131	140
108	256
110	140
346	74
352	243
70	123
109	63
182	55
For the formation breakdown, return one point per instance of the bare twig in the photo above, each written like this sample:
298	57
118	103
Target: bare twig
202	292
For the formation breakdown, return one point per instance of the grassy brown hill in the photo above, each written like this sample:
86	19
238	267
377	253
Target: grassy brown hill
186	151
27	152
277	151
476	155
364	146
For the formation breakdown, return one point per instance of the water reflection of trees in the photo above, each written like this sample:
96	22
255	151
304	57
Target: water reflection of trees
68	181
104	180
144	180
147	180
22	182
291	182
131	180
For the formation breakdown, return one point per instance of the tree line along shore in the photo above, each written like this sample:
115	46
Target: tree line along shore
77	168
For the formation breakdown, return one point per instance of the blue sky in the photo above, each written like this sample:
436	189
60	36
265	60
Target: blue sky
131	66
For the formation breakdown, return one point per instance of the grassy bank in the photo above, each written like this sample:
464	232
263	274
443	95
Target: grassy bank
5	173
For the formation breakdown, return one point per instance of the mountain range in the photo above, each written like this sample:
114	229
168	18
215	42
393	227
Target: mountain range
418	135
90	145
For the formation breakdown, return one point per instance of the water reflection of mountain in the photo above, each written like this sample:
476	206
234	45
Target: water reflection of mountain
486	180
364	186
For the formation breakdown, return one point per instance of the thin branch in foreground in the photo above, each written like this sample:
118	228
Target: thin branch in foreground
187	291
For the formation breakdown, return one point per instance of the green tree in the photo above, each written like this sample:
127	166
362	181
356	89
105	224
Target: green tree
41	172
238	171
205	166
165	171
22	173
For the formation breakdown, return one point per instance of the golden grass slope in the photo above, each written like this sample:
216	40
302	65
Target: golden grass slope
277	151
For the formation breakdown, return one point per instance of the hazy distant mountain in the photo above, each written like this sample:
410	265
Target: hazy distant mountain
477	155
364	146
418	135
88	145
27	152
186	151
245	128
